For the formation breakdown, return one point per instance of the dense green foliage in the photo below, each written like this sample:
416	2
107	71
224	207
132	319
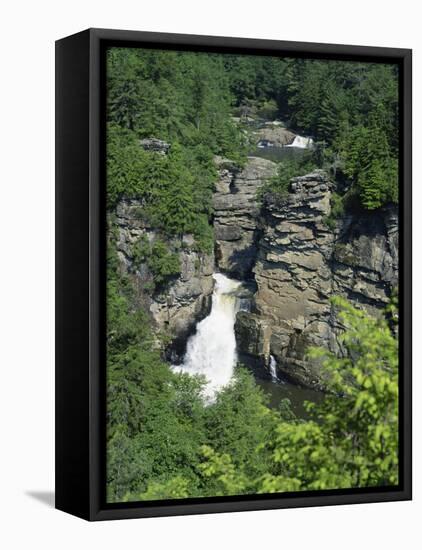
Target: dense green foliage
349	108
184	99
286	170
165	442
162	263
372	166
175	189
176	96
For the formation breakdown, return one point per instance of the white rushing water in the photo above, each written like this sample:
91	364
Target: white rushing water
273	369
211	351
301	142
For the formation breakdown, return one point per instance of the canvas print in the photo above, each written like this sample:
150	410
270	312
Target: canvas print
252	275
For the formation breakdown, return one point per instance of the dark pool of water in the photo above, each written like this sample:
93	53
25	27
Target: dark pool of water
277	154
297	395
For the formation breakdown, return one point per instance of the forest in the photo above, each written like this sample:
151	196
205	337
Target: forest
164	440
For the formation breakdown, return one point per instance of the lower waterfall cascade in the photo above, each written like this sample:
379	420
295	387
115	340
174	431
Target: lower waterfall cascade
211	351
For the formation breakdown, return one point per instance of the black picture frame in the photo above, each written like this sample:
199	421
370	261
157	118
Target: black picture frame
80	288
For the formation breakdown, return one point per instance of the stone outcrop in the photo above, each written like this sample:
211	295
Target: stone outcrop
275	135
187	298
155	145
236	212
365	258
300	264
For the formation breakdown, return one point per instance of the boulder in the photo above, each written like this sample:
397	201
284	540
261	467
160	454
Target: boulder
275	134
252	335
155	145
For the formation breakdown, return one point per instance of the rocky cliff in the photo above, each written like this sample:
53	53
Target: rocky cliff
186	299
300	264
291	261
237	212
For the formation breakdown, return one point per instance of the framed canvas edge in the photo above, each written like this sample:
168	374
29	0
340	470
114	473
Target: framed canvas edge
97	509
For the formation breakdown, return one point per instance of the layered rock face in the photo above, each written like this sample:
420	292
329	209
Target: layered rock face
187	299
365	258
300	264
294	279
236	214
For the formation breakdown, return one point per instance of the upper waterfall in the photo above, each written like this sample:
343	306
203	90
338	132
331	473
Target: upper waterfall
301	142
211	351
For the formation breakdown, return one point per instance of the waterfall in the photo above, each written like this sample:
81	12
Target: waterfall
301	142
211	351
273	369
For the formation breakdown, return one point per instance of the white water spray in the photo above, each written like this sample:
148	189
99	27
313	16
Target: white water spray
301	142
273	369
211	351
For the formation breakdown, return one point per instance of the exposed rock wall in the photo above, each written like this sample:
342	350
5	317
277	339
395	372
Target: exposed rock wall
300	264
236	214
365	258
187	298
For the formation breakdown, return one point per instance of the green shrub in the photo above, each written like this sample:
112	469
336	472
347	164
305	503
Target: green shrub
163	264
337	211
286	170
268	109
